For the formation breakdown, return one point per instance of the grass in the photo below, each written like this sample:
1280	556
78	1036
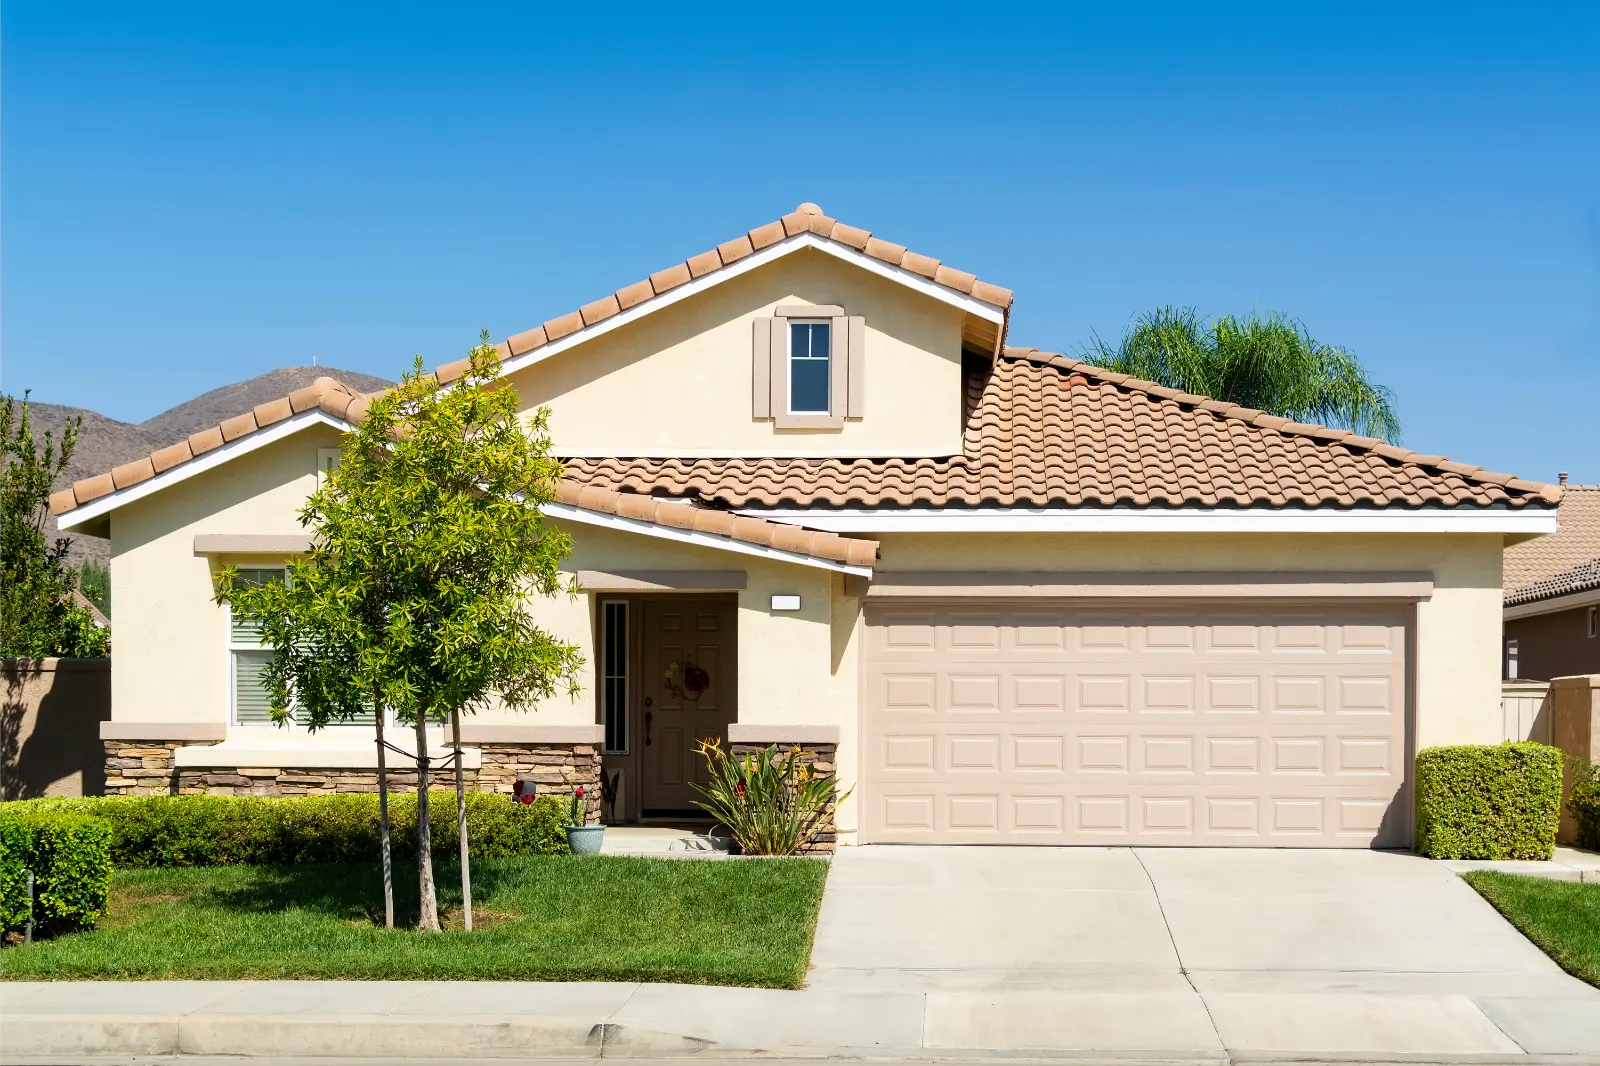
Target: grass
556	918
1562	917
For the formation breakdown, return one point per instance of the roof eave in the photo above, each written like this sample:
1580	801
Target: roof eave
93	517
971	305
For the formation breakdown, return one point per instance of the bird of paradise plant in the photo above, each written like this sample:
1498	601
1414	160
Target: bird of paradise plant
772	801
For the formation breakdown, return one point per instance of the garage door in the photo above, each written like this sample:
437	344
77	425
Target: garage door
1207	725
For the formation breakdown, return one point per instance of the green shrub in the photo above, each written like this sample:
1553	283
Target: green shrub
1584	802
16	844
255	830
70	856
1498	801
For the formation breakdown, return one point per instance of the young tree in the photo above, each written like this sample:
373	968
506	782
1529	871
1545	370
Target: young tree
38	617
428	539
1269	362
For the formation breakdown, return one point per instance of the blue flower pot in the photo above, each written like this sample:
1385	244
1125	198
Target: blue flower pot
585	839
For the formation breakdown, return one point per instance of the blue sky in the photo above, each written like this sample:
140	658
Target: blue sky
194	194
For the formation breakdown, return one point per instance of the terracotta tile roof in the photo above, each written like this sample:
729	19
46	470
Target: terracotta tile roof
334	397
1576	540
1580	578
1046	430
341	401
678	514
807	218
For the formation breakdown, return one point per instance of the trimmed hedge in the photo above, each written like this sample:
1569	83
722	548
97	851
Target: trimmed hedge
70	856
1499	801
1584	802
201	830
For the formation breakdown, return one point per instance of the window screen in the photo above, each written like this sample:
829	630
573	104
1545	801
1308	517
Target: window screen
809	379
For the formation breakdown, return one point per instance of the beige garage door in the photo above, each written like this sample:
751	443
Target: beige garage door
1207	725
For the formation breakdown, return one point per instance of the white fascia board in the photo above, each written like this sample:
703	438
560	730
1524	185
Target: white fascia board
689	536
316	416
789	245
1177	520
1586	598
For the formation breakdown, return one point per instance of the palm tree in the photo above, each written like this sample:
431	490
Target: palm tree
1269	362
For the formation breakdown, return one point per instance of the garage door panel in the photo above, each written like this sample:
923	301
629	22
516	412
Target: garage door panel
1210	726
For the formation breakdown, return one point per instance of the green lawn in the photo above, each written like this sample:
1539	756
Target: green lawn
565	918
1562	917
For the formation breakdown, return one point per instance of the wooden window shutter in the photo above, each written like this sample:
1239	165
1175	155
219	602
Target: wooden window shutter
856	367
779	374
839	366
761	369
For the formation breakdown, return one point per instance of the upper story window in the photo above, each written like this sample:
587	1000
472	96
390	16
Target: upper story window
810	382
808	369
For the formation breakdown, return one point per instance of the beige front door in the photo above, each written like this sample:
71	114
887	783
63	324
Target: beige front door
1184	724
689	642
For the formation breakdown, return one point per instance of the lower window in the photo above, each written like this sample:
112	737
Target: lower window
248	660
252	704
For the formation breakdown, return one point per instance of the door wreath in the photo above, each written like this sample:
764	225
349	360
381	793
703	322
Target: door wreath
686	681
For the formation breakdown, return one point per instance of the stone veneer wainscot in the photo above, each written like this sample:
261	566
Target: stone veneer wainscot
557	759
818	746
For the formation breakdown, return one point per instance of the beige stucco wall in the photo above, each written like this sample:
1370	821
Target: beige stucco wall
678	381
784	672
171	661
1457	662
1456	667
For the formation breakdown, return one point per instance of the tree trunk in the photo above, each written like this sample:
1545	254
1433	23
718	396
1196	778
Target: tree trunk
428	916
383	815
461	823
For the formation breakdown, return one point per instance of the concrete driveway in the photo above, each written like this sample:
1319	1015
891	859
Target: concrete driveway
1194	950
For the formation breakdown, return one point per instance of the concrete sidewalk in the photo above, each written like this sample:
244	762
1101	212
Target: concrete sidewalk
306	1020
1569	864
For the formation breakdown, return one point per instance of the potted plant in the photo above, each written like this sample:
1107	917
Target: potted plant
582	838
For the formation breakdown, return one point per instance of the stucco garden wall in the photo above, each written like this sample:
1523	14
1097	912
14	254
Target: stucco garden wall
50	715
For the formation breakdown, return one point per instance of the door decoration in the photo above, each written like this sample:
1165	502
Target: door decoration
686	681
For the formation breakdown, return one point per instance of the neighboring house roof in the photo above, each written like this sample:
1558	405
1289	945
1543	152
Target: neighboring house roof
1580	578
1575	541
94	612
1046	430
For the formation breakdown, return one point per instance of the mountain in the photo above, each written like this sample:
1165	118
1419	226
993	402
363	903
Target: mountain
104	442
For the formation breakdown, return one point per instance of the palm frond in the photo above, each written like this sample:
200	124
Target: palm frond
1268	361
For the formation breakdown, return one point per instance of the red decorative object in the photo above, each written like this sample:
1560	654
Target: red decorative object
687	681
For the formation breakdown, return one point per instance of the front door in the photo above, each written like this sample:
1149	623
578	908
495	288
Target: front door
689	694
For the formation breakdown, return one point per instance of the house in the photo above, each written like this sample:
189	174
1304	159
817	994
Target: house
816	499
1552	594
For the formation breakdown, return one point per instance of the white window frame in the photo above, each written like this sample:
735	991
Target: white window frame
605	676
1513	651
790	358
234	647
1594	622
